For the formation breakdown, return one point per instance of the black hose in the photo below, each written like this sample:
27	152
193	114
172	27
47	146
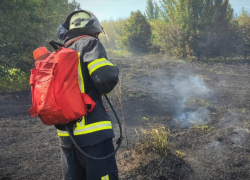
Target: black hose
118	120
118	142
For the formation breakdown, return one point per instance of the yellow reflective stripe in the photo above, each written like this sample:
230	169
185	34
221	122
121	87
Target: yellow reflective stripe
96	64
95	61
90	128
62	133
81	123
93	128
105	177
80	78
101	65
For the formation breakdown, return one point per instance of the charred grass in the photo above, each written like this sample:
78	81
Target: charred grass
203	107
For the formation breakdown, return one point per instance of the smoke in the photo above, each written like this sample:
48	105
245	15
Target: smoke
185	94
188	86
191	108
197	117
234	129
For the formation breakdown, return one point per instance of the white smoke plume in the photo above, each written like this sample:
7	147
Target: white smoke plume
174	91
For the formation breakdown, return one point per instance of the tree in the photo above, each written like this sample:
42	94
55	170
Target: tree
163	10
244	26
201	28
182	25
108	39
218	31
26	25
159	37
152	10
113	29
137	33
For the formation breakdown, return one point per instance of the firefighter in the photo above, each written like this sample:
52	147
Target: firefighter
96	76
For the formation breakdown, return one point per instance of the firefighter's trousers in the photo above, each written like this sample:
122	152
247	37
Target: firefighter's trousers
76	166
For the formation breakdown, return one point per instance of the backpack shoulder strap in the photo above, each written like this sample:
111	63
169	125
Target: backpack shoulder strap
56	45
72	41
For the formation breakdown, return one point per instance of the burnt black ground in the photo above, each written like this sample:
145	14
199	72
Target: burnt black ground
216	144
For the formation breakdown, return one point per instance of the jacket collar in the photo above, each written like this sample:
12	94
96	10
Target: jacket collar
73	34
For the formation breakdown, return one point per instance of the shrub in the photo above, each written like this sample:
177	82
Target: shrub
13	80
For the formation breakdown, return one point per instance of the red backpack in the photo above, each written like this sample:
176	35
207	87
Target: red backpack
56	95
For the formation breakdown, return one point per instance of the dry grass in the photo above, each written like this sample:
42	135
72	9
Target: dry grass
155	138
153	158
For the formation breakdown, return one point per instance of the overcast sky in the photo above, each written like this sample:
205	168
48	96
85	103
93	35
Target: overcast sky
107	9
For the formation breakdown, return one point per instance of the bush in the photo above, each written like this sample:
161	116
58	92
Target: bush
13	80
137	34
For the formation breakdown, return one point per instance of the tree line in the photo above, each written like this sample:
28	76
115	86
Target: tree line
25	26
184	29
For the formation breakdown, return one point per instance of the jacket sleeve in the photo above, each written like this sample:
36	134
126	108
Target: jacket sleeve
103	73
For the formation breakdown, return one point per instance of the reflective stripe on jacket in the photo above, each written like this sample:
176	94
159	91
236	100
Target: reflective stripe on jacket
98	63
81	128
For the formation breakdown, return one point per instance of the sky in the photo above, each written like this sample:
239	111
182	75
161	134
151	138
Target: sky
115	9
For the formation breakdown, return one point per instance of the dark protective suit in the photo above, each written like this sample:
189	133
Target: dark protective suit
94	133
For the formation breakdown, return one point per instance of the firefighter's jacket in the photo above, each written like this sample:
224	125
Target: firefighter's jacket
96	76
